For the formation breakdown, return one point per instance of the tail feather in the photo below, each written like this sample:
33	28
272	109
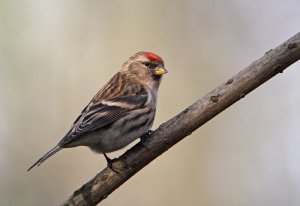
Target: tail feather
46	156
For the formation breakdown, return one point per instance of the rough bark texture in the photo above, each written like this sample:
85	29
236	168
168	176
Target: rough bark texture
169	133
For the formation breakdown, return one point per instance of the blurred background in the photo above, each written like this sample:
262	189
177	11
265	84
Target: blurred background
55	55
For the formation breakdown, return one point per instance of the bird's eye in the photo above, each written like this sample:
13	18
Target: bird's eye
147	64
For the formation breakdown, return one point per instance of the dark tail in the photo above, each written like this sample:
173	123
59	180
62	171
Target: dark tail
46	156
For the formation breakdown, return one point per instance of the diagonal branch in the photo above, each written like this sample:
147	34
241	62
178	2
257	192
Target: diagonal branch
169	133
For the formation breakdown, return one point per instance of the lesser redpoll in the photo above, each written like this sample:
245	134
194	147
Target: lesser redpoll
122	111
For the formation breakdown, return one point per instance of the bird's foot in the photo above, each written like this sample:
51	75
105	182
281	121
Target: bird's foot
143	138
110	163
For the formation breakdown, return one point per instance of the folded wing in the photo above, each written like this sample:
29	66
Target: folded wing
105	112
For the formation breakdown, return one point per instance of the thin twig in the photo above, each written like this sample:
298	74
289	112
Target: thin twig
169	133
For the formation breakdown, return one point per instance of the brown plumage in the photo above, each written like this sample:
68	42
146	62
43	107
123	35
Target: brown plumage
122	111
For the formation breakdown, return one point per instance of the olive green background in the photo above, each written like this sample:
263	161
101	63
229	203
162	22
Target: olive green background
56	54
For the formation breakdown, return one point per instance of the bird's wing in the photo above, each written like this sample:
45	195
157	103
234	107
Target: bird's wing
105	112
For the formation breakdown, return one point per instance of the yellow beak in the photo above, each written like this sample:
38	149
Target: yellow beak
159	71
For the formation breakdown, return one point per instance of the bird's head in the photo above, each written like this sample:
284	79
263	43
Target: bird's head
145	67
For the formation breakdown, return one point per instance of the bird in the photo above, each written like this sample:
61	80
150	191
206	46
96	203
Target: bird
122	111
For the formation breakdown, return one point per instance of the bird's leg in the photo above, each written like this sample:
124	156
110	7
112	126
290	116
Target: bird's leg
143	138
109	162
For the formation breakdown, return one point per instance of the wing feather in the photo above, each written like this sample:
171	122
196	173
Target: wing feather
105	112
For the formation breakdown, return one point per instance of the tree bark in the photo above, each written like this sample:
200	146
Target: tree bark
169	133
